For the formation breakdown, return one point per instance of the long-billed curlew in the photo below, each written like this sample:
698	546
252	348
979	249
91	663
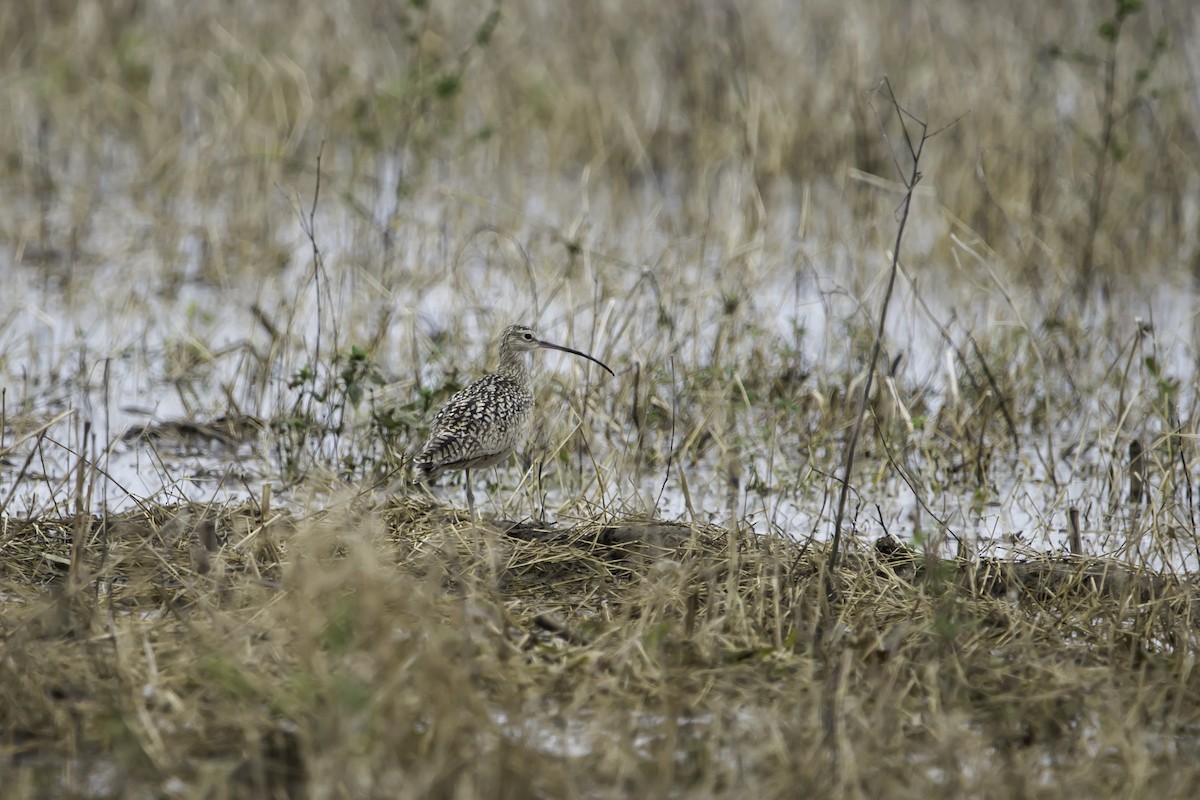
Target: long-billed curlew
482	425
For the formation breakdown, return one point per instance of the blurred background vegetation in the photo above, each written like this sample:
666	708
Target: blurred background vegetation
1077	150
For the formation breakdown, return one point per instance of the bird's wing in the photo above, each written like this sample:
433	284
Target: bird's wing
458	434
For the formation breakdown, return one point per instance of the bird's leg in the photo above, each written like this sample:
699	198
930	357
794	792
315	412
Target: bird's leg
496	482
470	495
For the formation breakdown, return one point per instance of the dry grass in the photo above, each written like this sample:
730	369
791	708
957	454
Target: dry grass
396	651
199	115
253	244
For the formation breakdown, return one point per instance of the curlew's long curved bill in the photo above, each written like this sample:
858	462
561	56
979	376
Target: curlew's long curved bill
551	346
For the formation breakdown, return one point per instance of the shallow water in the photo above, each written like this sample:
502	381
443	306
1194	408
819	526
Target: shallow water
120	340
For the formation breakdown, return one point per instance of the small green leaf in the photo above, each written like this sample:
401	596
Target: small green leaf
484	34
1127	7
656	634
447	86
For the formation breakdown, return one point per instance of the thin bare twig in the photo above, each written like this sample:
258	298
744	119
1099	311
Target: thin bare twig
911	179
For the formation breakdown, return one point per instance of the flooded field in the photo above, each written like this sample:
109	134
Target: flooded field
714	417
248	254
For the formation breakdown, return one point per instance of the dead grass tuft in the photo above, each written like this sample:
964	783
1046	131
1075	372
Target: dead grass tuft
403	651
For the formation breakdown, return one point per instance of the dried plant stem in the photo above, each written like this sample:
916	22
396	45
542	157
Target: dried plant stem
910	177
82	519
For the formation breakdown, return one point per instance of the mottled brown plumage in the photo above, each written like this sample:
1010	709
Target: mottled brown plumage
484	423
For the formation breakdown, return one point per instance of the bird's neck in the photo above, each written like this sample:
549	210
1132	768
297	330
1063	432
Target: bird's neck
514	366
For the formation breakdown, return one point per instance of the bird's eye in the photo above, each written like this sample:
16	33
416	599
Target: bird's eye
529	337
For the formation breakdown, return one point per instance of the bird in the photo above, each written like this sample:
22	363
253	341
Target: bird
483	424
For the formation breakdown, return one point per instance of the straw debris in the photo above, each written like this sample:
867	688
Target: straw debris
402	650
